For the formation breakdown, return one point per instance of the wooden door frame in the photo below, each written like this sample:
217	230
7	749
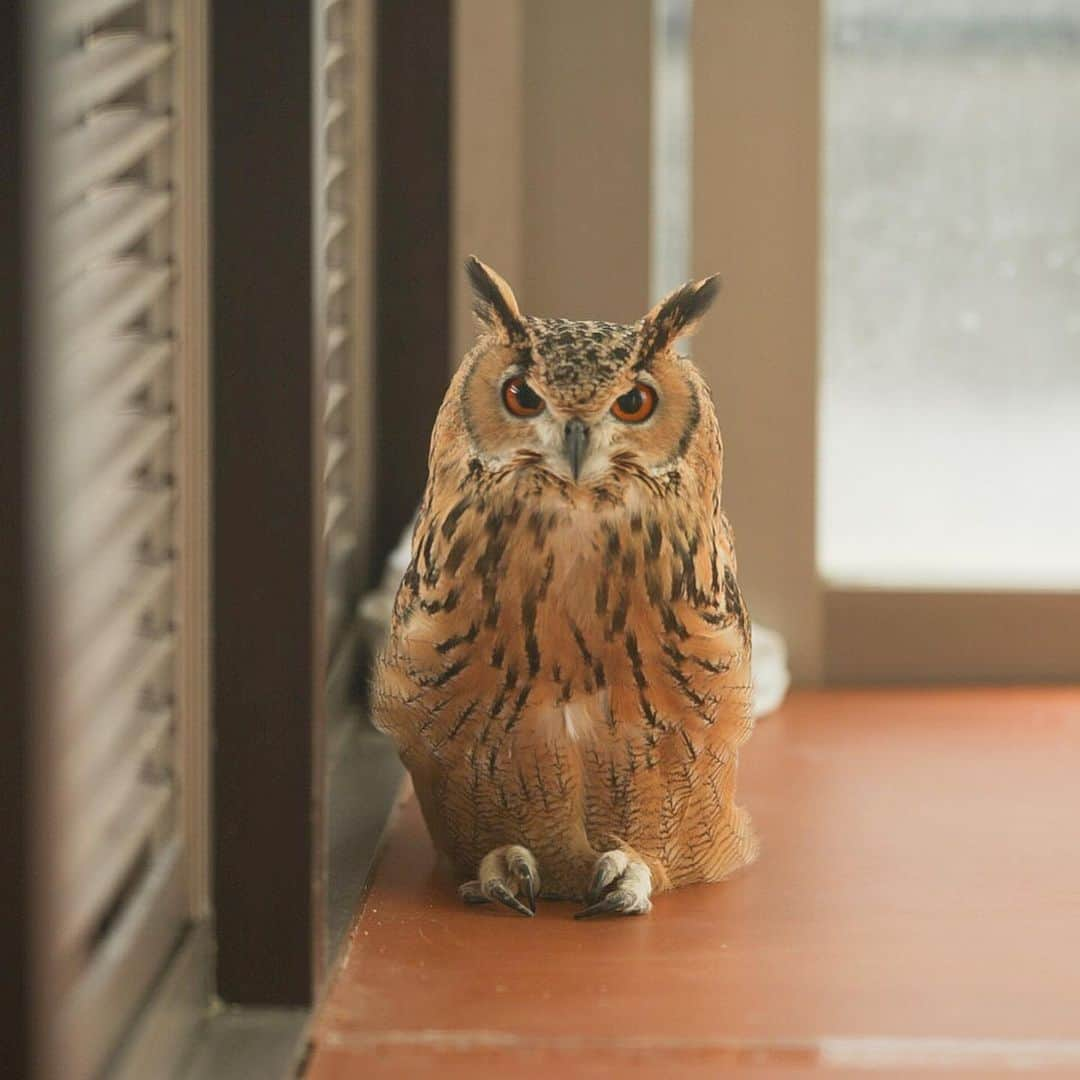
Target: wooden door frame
269	649
268	666
16	763
413	108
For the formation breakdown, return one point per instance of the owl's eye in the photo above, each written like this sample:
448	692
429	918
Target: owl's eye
520	398
635	405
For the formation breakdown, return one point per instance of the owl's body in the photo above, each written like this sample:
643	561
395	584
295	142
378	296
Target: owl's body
568	670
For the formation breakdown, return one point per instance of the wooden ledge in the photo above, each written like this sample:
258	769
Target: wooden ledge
916	907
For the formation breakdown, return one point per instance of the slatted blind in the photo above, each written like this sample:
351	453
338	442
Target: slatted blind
337	211
116	349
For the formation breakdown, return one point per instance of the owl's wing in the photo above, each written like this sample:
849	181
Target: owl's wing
726	539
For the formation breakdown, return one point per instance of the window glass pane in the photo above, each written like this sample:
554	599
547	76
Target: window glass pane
671	121
950	410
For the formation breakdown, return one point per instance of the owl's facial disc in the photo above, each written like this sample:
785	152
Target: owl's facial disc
572	440
578	441
586	413
569	443
523	402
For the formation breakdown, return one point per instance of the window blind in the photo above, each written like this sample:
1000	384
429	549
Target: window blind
338	206
112	287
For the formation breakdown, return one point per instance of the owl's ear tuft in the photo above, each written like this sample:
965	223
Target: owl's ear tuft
493	303
677	315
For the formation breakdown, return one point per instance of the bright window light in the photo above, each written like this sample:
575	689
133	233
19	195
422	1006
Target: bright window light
950	400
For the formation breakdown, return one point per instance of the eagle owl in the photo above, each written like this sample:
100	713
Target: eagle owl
567	676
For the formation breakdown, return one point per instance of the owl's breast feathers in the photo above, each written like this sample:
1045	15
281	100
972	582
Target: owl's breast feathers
564	664
522	599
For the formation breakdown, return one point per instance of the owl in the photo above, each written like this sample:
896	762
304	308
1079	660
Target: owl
567	674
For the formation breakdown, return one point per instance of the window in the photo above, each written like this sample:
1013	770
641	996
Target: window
671	138
949	442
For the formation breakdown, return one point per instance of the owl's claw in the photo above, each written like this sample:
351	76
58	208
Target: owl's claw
504	873
505	896
620	886
530	890
609	866
617	902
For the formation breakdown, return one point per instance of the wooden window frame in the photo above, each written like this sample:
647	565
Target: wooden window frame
179	997
169	1020
162	1035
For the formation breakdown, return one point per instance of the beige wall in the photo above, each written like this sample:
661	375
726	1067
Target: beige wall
488	148
755	214
551	143
552	176
588	83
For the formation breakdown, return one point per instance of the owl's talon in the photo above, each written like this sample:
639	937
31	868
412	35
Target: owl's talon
609	866
520	863
505	873
501	893
618	901
530	890
629	886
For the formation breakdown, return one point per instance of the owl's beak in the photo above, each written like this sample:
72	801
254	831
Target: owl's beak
575	444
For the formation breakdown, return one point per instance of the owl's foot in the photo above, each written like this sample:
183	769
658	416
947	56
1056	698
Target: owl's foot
505	873
620	886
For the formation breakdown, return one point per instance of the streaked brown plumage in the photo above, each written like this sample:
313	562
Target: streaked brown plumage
567	676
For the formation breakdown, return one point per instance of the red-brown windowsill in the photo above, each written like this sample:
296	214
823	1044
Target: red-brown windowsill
916	904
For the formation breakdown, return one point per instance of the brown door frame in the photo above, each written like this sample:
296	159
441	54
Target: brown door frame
266	546
269	678
413	43
16	765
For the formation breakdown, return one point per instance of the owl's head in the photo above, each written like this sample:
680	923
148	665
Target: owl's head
581	399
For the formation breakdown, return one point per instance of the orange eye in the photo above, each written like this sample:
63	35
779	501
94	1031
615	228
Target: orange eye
635	405
520	398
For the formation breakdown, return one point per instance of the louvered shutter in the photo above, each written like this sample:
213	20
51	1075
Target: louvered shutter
120	349
338	221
